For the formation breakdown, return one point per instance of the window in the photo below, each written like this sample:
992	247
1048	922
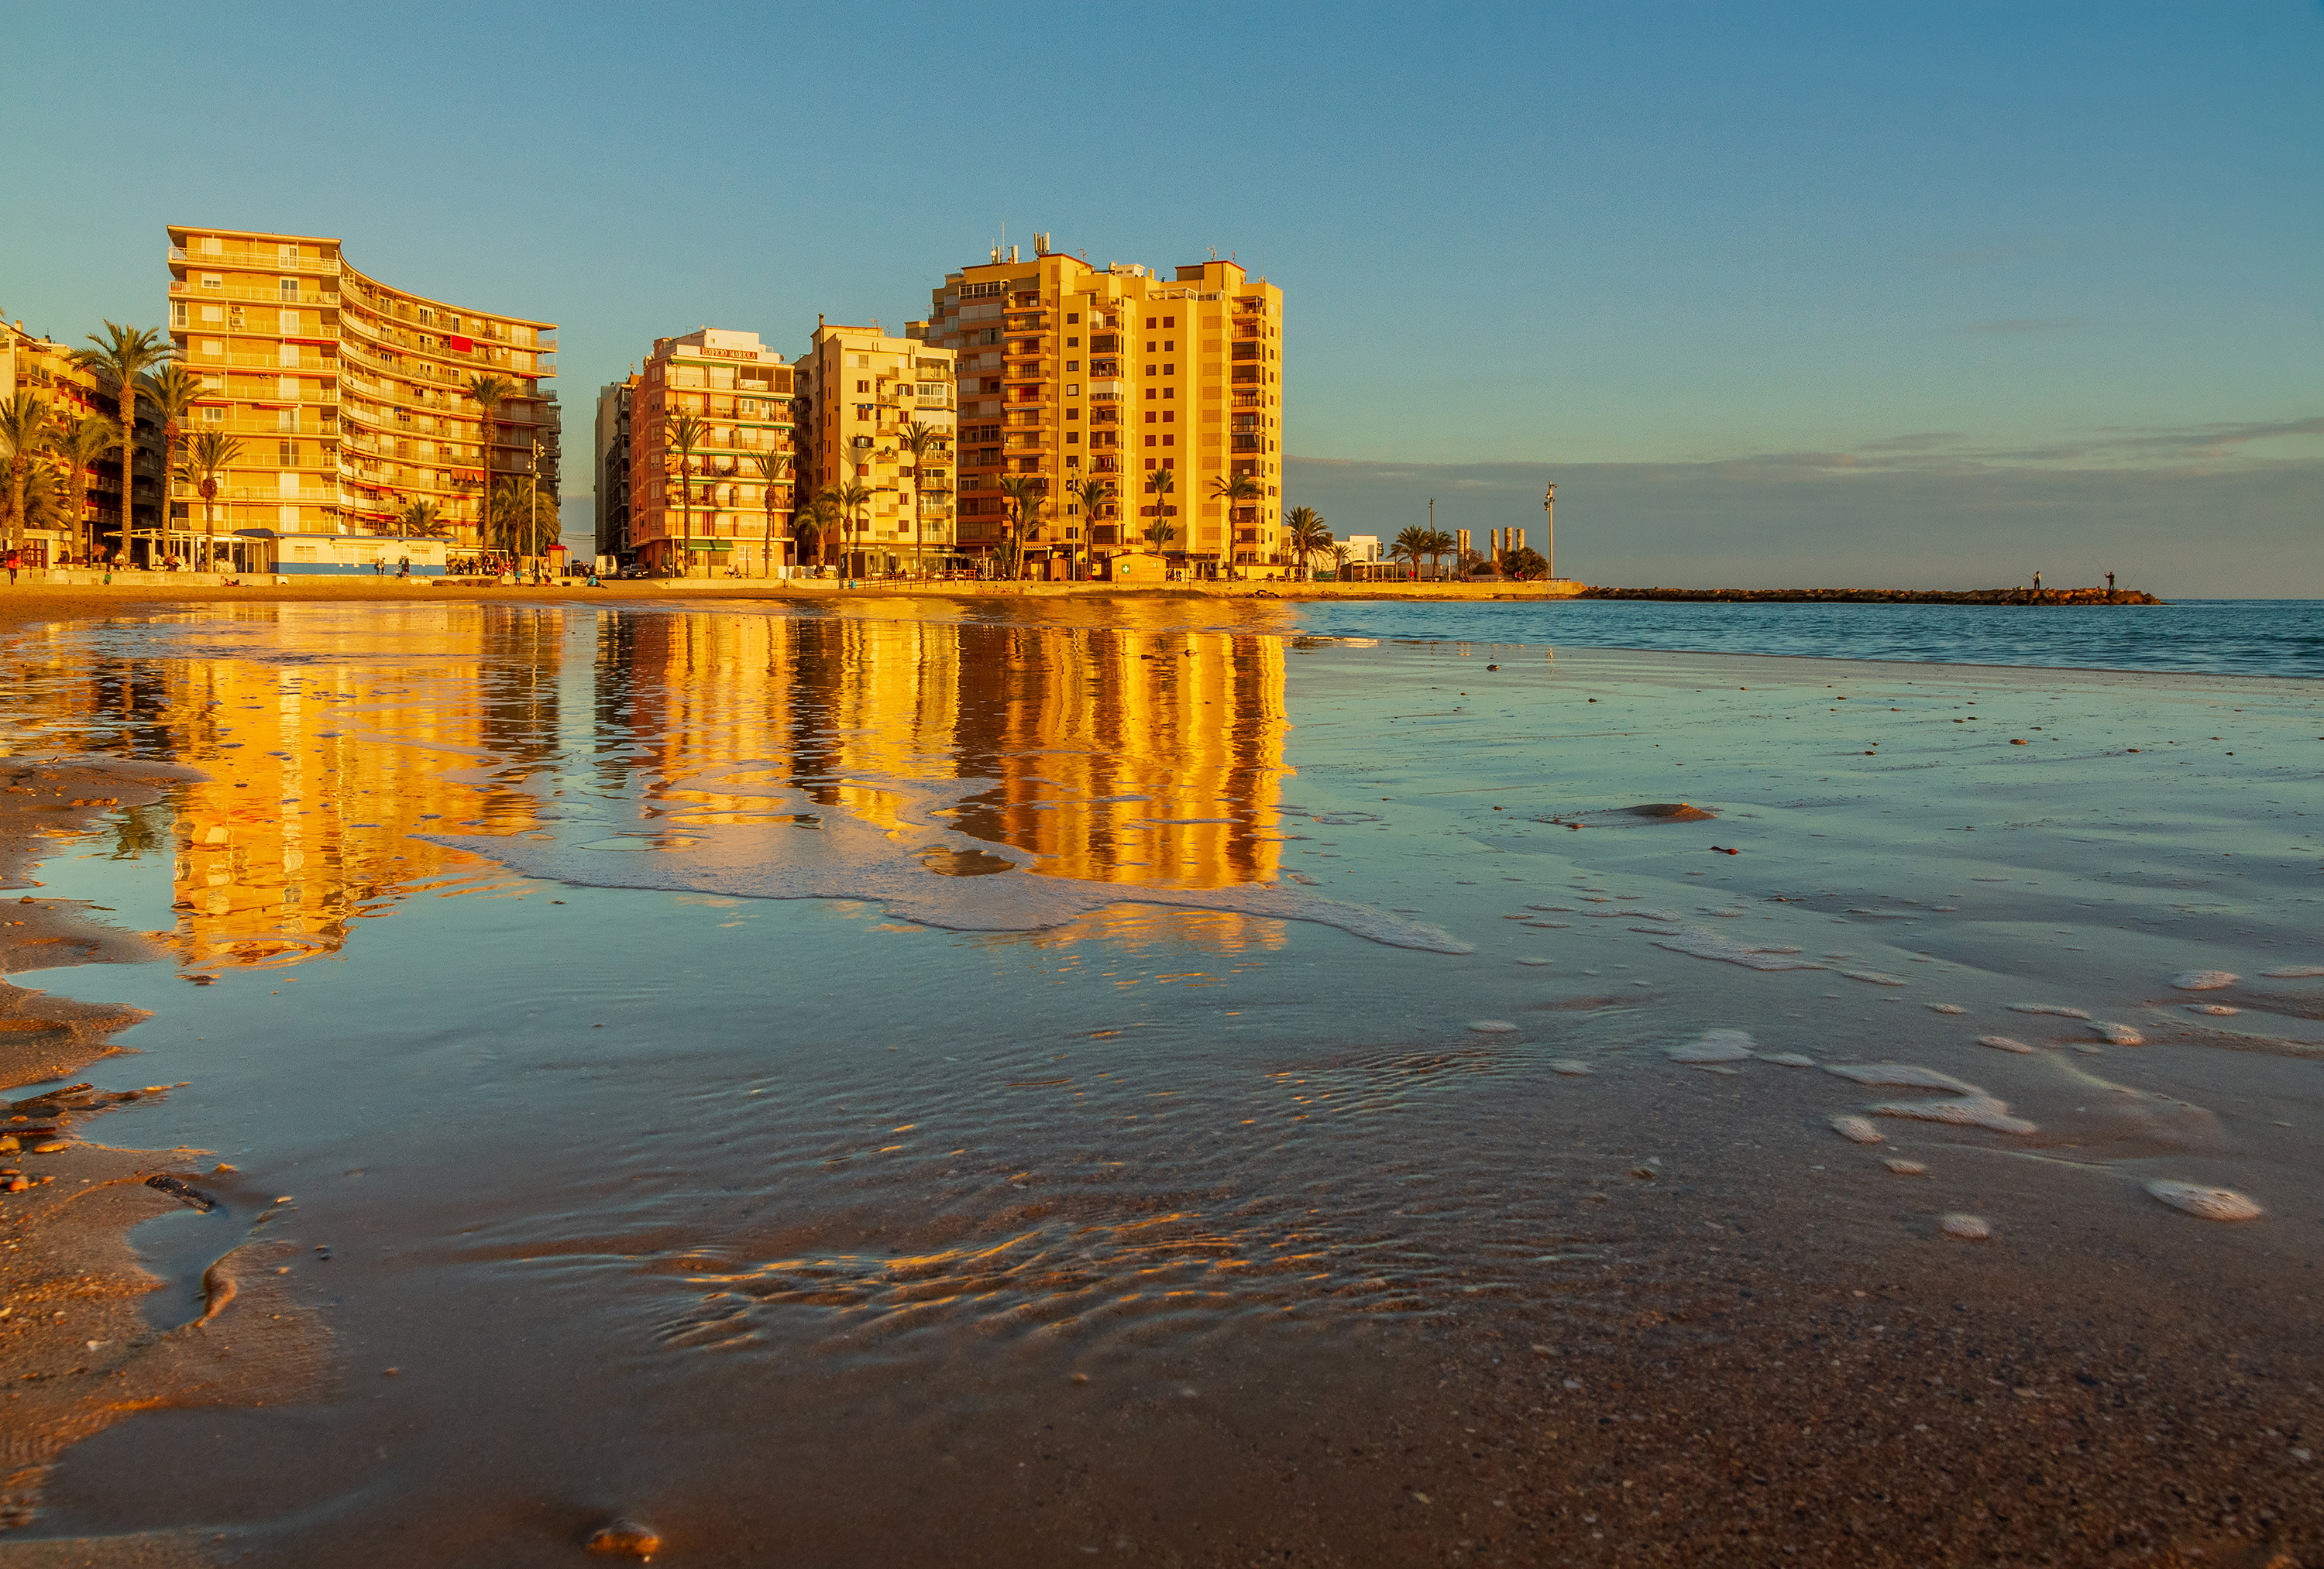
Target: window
1169	345
1150	417
1073	318
177	313
213	414
213	346
286	419
287	321
862	386
426	316
1150	324
286	287
286	453
1150	462
212	245
213	280
1073	438
1165	441
304	552
289	254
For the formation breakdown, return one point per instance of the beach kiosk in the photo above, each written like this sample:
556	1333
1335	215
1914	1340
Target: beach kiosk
264	550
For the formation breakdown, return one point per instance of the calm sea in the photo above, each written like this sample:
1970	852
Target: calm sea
2223	636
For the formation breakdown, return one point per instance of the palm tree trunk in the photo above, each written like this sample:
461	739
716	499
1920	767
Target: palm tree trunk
128	457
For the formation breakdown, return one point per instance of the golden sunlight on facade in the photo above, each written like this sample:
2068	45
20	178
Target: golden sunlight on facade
348	399
860	393
710	474
1071	372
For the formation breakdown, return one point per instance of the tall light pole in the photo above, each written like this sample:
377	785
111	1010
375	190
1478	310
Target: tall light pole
1549	511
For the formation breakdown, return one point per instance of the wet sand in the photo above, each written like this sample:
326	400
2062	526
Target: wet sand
801	1230
77	1350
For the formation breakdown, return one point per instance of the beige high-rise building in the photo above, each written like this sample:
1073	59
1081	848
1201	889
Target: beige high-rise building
349	399
860	390
1070	372
711	509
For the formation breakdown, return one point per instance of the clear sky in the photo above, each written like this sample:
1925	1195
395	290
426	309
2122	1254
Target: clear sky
1888	288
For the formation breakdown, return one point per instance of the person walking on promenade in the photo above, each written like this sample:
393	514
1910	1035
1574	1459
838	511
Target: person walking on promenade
403	566
15	560
2109	583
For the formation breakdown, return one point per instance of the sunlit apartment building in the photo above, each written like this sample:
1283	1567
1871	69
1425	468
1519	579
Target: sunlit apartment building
610	451
1069	372
711	507
347	396
43	367
861	390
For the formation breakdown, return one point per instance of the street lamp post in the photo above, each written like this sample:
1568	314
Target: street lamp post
1549	510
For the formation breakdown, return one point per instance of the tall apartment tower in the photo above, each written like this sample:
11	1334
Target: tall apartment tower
860	390
1070	372
611	470
348	395
711	509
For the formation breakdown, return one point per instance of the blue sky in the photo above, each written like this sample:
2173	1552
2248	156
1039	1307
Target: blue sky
1991	263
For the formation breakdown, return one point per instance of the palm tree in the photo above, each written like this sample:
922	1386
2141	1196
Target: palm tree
1090	495
206	455
682	434
23	432
1439	544
813	525
123	357
504	518
1159	484
1411	545
919	438
1233	490
774	468
1303	527
173	388
78	443
1340	553
851	499
419	520
489	393
1026	494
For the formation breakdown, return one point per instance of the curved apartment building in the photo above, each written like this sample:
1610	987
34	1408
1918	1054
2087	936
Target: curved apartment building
348	397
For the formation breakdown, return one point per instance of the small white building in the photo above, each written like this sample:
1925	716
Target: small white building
335	555
1363	549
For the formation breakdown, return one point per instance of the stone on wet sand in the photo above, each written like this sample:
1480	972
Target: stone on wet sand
2208	1203
1967	1227
2004	1043
626	1538
1904	1168
1855	1129
1714	1046
2204	980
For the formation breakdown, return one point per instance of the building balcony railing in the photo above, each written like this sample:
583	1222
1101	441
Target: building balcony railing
262	361
186	290
256	260
1249	400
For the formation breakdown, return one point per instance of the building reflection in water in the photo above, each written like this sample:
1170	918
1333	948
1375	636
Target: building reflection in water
1134	752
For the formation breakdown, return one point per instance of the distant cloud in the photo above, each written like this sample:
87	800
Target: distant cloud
2022	324
1920	443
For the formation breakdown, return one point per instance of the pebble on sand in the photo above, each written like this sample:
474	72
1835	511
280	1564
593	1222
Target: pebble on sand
2209	1202
1947	1008
626	1537
2116	1034
2204	980
1967	1227
1714	1046
1856	1130
2003	1043
1904	1168
2049	1008
2215	1010
1492	1026
2294	972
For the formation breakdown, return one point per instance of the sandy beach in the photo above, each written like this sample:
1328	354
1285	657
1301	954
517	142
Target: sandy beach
1003	1090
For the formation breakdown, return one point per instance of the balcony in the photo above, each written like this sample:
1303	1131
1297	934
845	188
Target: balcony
256	260
1244	373
1247	351
1250	443
185	290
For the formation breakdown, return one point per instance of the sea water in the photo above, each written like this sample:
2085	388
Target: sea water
996	1086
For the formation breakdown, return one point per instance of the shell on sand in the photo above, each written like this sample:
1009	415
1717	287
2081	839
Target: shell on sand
2204	980
2209	1202
1947	1008
1967	1227
1904	1168
1856	1130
